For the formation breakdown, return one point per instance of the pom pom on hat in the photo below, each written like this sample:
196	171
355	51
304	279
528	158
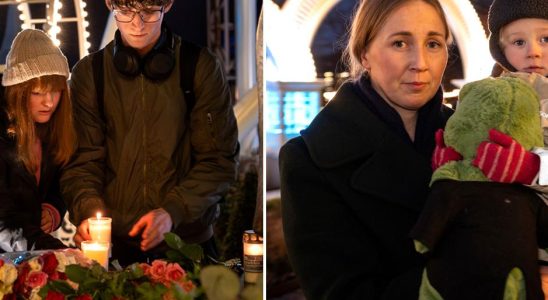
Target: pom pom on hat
503	12
32	55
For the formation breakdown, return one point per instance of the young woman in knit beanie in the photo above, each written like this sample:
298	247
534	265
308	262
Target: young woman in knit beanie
36	139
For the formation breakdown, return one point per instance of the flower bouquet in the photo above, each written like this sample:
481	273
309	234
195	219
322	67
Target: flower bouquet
66	274
24	274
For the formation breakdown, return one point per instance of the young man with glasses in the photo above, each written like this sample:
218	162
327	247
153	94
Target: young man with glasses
146	156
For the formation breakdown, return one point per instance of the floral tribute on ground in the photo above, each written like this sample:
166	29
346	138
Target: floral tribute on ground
67	274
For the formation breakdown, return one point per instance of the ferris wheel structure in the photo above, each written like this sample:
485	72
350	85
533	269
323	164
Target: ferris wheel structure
53	17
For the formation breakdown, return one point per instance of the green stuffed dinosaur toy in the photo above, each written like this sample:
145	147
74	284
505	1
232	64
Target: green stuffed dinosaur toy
481	237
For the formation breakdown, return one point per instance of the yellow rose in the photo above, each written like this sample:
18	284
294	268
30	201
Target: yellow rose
35	264
5	289
8	274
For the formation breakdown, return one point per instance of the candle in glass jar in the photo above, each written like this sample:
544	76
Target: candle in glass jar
97	251
99	228
253	256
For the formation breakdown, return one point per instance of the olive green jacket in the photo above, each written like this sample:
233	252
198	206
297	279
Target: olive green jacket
145	156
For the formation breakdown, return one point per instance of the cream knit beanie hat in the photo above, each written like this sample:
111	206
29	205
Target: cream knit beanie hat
32	55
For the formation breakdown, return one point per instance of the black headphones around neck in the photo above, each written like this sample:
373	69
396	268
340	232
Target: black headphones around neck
155	65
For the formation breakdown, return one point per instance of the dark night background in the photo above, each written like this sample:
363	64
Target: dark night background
187	18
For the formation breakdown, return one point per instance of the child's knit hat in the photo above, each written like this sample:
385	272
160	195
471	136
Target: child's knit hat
33	55
503	12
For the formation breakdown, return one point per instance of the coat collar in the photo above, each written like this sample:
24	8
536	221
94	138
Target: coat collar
353	131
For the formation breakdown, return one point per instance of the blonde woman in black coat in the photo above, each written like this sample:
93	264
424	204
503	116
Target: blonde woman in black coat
354	182
36	139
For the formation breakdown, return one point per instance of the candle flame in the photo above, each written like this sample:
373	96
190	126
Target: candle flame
98	215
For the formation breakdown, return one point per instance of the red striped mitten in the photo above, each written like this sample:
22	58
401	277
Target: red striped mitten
505	160
442	153
49	211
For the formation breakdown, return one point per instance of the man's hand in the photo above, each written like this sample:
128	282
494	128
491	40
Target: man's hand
82	233
153	225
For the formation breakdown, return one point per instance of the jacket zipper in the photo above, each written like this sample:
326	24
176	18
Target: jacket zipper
211	129
145	187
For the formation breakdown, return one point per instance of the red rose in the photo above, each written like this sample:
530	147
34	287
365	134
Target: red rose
63	276
84	297
19	285
52	295
50	263
53	276
37	279
174	272
10	297
1	263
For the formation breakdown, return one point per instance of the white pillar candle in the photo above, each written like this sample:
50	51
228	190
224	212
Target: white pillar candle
253	256
99	228
98	251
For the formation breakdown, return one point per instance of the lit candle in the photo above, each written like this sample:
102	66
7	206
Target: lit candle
99	228
253	256
98	251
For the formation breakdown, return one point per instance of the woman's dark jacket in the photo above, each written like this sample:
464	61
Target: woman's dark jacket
21	197
352	187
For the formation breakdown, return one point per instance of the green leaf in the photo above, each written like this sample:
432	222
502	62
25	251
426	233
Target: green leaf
174	255
174	241
76	273
193	252
90	284
56	285
220	283
151	292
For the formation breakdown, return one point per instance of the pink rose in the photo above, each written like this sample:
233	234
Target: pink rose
36	279
187	286
174	272
158	270
145	267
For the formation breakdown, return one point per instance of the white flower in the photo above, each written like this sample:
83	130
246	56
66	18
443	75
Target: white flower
62	259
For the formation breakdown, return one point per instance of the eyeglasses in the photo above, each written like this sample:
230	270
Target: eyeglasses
146	15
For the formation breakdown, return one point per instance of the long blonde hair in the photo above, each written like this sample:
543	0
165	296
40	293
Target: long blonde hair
368	19
58	132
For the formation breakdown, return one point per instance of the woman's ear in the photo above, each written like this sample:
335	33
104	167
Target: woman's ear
107	3
365	61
